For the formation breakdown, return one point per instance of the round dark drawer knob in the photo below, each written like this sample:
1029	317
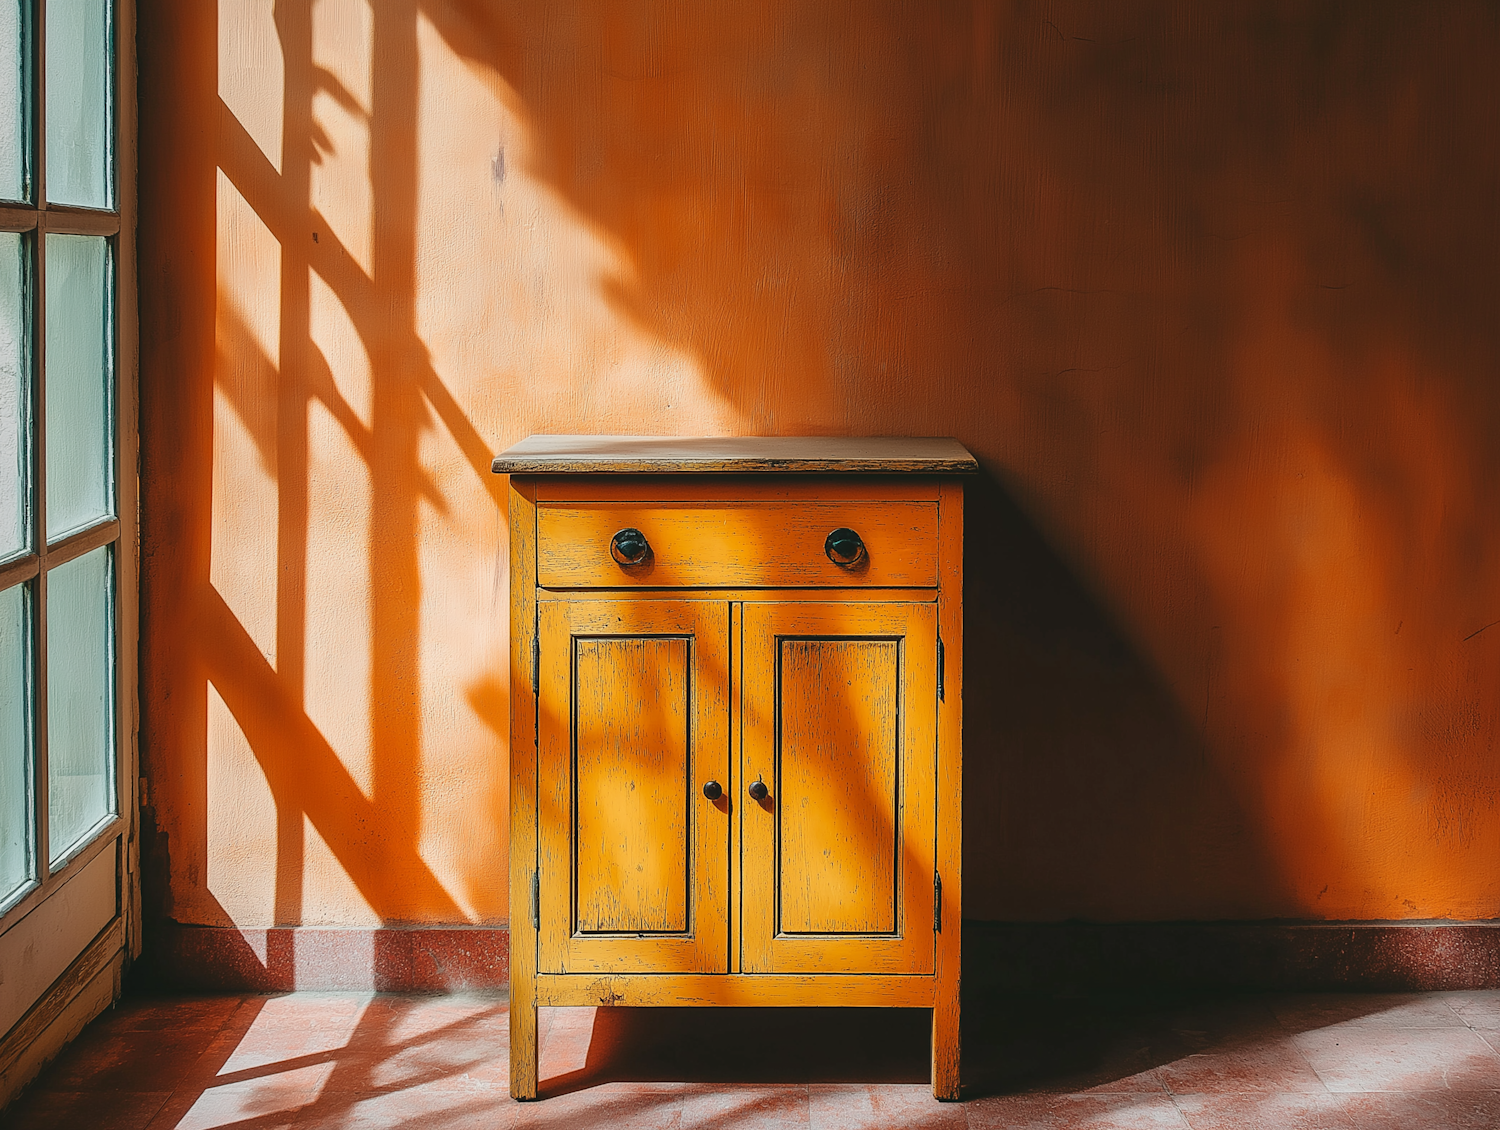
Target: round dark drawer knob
713	790
629	546
844	547
758	790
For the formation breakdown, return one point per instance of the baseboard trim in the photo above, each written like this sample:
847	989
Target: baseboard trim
432	959
1076	957
1027	958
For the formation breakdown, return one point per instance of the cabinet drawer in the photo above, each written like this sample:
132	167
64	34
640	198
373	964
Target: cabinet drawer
737	545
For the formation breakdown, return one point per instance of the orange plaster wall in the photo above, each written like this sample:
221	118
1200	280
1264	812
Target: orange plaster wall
1210	290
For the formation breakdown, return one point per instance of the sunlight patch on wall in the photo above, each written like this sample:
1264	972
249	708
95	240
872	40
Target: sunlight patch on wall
241	822
245	499
252	72
1321	617
329	896
464	606
248	278
340	184
338	595
244	517
517	293
1317	580
341	374
1354	787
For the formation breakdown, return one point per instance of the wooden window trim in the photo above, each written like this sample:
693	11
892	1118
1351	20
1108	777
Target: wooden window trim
122	531
58	219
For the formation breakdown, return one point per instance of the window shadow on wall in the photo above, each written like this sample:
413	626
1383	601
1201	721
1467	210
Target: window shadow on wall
248	506
1209	303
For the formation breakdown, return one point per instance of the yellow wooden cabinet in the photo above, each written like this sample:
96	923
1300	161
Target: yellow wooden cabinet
735	726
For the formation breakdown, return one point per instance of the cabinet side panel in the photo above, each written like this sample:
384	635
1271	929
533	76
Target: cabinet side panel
523	826
837	813
945	1012
734	784
630	766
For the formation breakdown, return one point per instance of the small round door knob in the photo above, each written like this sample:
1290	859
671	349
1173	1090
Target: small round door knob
629	546
758	790
844	547
713	790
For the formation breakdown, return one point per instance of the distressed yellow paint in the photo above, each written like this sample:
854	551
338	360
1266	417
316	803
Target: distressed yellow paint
750	990
824	736
838	811
630	760
632	692
737	546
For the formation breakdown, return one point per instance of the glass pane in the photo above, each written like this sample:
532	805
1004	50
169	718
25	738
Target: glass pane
15	743
13	116
80	156
15	400
79	482
80	699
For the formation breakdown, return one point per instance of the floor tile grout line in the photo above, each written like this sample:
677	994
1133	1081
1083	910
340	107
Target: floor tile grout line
1181	1114
1291	1041
1318	1075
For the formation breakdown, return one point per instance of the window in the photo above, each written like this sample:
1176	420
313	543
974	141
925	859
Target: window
67	449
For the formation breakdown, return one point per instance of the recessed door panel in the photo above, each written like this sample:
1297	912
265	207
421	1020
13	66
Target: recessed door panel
840	751
632	720
838	716
632	709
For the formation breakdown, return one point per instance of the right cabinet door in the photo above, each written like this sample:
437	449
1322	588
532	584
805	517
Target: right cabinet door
838	716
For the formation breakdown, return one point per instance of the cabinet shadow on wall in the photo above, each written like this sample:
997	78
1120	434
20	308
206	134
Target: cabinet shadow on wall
1089	790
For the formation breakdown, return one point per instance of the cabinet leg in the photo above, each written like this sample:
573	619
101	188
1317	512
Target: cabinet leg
523	1042
945	1050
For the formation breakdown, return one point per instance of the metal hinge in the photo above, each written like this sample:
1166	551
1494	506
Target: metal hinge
940	668
937	903
536	900
536	663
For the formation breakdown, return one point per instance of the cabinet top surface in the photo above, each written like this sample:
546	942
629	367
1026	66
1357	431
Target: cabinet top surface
592	455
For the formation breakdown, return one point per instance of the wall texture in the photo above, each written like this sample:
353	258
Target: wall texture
1210	290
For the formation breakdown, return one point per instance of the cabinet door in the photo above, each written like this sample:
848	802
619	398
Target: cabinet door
839	711
633	719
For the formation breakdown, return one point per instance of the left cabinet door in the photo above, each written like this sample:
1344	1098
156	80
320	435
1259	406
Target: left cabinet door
633	720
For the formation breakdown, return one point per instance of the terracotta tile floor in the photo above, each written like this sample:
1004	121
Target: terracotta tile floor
355	1061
